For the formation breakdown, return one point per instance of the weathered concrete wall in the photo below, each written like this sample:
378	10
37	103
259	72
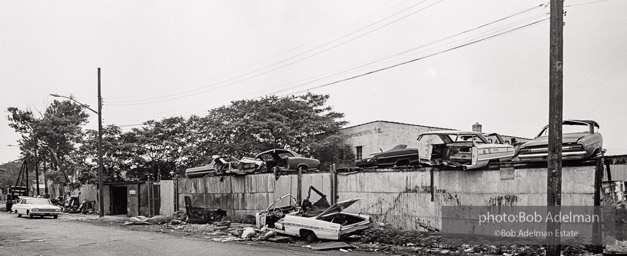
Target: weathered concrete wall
167	198
403	199
399	198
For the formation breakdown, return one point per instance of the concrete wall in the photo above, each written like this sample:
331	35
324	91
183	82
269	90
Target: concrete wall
399	198
403	199
167	198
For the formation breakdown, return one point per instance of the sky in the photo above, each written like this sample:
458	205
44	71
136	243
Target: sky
443	63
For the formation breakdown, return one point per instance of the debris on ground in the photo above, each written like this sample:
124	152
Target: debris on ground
331	246
142	220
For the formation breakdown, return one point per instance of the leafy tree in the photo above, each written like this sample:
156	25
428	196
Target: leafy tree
250	126
333	150
57	133
159	145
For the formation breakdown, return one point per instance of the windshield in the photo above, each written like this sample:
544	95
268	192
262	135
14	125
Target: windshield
568	128
37	201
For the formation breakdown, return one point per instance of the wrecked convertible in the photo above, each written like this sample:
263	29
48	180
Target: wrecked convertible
468	150
313	221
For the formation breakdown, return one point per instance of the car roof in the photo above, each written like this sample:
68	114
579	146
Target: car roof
450	132
276	150
576	121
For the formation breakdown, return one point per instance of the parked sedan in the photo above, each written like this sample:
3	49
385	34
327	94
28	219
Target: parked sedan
36	207
580	140
399	155
330	224
286	160
469	150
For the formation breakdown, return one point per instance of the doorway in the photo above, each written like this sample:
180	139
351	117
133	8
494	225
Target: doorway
118	200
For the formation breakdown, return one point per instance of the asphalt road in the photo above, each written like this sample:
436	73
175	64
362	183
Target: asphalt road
66	236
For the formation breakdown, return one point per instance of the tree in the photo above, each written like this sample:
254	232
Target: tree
159	145
9	173
56	134
250	126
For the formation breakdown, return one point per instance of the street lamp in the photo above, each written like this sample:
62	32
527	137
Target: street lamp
99	113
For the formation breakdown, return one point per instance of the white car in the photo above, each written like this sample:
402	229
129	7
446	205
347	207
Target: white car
469	150
35	207
331	224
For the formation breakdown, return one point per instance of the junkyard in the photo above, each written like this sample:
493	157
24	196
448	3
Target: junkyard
354	127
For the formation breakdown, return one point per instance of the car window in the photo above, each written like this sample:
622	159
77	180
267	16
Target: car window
569	128
38	201
266	157
285	155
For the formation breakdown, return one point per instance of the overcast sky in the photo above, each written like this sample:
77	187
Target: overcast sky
444	63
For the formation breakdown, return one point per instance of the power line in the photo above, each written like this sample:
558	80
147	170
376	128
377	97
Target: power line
203	90
265	60
421	58
419	47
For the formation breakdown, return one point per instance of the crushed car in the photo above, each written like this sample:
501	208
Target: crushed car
330	224
580	140
286	160
467	150
399	155
312	221
221	165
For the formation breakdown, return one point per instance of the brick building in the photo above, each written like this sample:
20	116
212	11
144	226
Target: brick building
377	136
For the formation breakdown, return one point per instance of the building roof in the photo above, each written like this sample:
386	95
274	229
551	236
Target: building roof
391	122
417	125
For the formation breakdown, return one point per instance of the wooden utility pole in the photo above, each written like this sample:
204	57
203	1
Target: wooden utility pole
100	176
554	161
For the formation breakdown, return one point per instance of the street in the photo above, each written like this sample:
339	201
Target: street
67	236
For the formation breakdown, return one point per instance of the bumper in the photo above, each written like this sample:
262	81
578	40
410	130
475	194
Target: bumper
45	213
538	157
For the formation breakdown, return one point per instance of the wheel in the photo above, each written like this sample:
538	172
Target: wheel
302	169
31	216
309	235
19	215
55	216
41	217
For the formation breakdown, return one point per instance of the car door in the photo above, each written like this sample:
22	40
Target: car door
19	207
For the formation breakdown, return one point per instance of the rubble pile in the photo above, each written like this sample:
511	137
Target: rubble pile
411	242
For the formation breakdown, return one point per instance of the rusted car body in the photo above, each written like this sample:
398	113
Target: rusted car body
399	155
331	224
469	150
286	160
221	165
580	140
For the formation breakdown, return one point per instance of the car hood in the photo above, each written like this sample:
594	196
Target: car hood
338	207
566	138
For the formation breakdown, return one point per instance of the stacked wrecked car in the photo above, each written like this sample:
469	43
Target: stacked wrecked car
274	160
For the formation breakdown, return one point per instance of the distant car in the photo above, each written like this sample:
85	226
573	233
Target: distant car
580	140
399	155
36	207
469	150
286	160
330	224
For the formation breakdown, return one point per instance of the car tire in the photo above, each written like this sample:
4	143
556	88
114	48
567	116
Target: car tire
31	216
309	235
18	214
302	169
55	216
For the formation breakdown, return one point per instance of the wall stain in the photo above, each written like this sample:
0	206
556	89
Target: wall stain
505	200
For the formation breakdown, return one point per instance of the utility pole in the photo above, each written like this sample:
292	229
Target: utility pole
100	179
554	161
36	168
